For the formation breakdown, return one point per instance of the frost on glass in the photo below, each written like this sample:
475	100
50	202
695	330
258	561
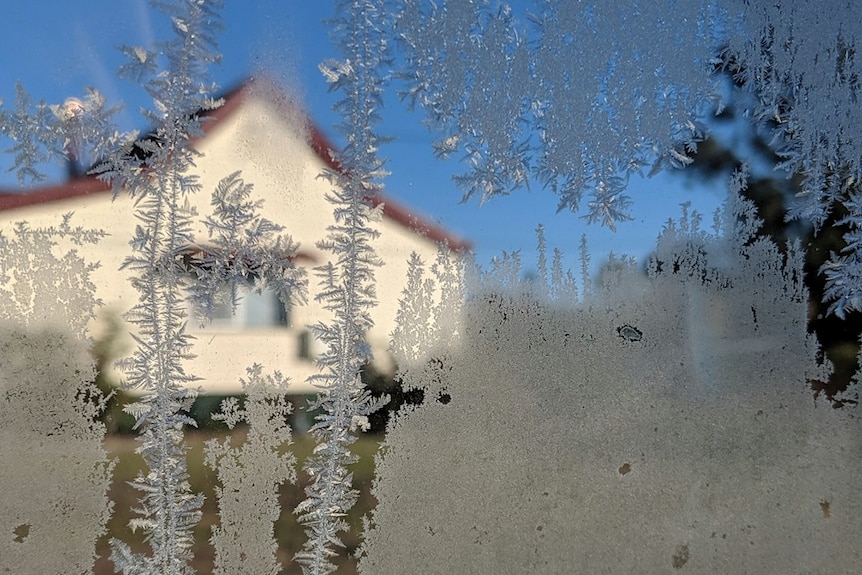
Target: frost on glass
648	421
346	286
244	247
55	473
77	131
580	95
662	422
156	171
800	61
575	95
249	475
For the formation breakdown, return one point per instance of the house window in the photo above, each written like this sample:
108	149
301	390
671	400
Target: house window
254	309
304	340
263	309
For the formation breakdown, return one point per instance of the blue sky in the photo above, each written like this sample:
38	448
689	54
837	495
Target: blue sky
56	48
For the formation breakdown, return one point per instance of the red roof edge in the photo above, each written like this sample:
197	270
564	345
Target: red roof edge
396	212
233	98
80	186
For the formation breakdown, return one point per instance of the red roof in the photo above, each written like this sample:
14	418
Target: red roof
84	185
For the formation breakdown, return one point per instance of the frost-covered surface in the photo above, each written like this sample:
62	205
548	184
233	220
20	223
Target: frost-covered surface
55	474
347	287
156	171
580	95
245	248
43	278
808	83
574	94
645	422
664	422
250	474
79	130
799	58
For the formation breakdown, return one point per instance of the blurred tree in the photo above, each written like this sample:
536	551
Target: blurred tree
385	384
735	141
107	348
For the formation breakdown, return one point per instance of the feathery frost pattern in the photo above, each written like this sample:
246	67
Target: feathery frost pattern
806	88
250	475
558	95
640	386
78	131
166	261
245	247
158	177
64	293
346	283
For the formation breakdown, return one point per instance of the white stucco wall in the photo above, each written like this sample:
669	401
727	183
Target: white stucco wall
265	139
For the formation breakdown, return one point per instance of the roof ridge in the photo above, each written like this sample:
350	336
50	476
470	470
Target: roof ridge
232	100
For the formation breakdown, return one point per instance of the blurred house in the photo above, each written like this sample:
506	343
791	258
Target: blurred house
263	133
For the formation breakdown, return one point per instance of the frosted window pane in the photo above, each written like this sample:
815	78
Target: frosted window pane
664	421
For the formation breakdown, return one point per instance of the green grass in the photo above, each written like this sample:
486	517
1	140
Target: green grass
289	534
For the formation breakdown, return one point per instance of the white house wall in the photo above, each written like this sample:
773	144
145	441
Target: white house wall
263	138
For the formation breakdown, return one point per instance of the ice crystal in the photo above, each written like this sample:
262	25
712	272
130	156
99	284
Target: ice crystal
159	178
559	94
347	283
246	247
668	409
64	294
580	95
73	133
